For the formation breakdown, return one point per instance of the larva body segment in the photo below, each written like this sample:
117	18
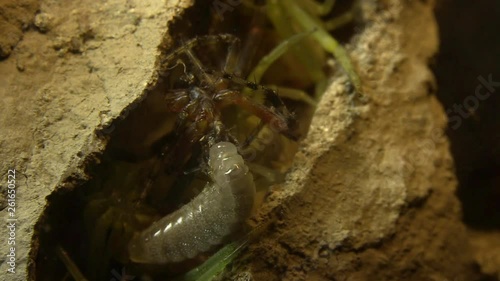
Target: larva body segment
207	220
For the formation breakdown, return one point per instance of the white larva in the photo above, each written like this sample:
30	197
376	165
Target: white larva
207	220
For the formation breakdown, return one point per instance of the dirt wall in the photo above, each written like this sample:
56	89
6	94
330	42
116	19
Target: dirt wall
372	192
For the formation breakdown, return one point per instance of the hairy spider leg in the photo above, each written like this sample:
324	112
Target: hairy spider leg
186	48
278	122
200	118
199	71
277	116
270	95
177	100
190	44
232	58
70	264
253	134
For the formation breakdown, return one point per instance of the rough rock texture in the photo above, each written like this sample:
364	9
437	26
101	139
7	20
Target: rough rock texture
91	61
371	196
15	16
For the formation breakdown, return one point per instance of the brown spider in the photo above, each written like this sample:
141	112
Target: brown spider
206	92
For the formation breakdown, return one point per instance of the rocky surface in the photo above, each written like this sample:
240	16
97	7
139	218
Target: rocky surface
15	18
74	71
371	196
372	191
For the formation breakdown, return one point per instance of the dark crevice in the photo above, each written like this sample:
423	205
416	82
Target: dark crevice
469	56
468	75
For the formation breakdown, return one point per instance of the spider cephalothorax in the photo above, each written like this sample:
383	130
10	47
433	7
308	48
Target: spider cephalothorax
206	92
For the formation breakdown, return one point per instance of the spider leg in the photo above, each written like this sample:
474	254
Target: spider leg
188	46
278	116
232	139
295	94
278	122
70	264
228	38
199	71
270	95
182	149
197	123
231	63
177	100
253	134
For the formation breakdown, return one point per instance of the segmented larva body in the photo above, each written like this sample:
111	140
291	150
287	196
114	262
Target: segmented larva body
207	220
